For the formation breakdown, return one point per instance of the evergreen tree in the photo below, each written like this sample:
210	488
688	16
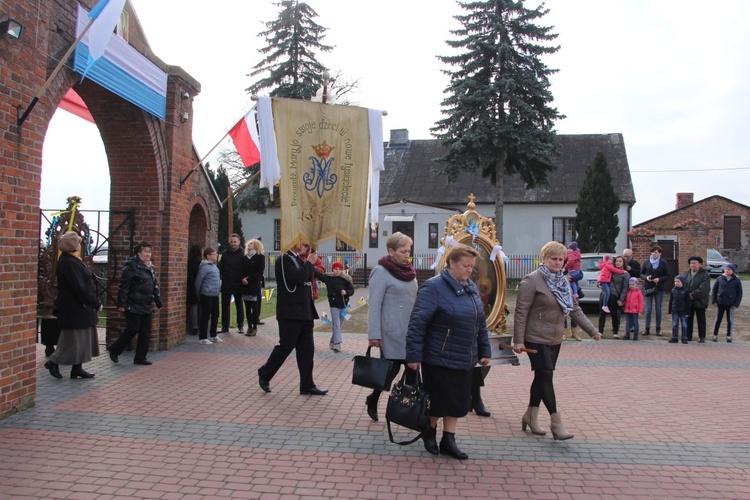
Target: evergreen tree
221	184
498	116
597	224
290	65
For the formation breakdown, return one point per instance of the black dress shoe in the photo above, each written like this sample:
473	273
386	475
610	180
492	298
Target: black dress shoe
49	350
114	357
684	341
673	340
314	391
54	369
143	362
263	383
480	409
78	371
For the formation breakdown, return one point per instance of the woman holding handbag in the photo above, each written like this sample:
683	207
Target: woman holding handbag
393	289
447	337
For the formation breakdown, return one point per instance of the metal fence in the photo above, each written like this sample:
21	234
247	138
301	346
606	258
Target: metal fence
516	266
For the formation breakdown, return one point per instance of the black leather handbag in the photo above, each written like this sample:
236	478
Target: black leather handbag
408	406
374	373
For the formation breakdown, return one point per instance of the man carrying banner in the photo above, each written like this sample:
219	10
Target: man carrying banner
295	312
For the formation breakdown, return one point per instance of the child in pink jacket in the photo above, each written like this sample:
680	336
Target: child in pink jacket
633	307
605	278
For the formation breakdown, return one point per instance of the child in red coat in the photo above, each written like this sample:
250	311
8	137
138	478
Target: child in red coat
633	307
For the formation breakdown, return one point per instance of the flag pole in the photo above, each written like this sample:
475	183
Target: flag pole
247	183
192	170
60	64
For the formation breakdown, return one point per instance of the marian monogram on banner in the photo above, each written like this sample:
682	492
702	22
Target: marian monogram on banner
324	152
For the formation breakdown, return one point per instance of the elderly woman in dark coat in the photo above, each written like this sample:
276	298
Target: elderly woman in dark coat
447	337
77	307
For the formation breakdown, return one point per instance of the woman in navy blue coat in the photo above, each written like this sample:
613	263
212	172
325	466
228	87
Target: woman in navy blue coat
447	337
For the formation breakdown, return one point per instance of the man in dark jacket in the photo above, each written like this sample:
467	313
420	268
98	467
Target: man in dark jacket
230	267
138	290
295	312
698	285
632	266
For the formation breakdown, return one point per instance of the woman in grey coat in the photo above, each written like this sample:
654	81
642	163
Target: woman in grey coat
393	290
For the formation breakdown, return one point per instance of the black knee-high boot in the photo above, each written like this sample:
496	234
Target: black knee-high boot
372	405
476	394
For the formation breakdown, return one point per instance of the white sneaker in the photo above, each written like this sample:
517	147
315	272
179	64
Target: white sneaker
216	339
605	309
205	342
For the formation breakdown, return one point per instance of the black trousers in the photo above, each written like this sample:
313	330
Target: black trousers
253	312
700	314
294	335
209	312
226	301
614	311
135	324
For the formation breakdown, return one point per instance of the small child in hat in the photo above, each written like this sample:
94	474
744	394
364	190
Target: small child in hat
679	305
633	308
340	287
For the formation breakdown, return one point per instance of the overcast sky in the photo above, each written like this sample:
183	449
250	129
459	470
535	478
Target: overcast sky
669	75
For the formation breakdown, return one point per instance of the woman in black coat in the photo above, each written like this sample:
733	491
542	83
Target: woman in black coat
253	267
77	306
138	291
655	274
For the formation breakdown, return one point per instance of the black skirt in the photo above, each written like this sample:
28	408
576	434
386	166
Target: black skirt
545	357
450	391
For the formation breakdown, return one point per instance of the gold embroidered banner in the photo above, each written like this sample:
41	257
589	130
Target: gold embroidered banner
324	152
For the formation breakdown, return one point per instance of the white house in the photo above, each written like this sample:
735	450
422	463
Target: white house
418	202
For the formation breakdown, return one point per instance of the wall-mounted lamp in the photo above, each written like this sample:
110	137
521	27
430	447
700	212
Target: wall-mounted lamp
184	117
185	96
11	27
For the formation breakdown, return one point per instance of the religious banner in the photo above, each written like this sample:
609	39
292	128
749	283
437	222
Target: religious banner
324	152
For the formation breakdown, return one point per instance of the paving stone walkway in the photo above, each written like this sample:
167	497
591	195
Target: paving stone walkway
650	421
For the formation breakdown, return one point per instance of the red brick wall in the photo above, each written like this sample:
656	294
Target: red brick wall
147	158
698	227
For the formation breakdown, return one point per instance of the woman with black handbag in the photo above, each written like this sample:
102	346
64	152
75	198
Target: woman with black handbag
393	289
447	337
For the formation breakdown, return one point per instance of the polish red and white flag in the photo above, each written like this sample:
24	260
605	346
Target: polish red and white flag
245	137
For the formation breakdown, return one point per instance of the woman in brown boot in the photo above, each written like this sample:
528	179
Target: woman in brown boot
544	301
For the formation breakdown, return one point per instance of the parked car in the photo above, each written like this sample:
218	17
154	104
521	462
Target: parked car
715	262
588	284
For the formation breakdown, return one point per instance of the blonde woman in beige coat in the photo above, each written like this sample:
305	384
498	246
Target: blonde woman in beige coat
544	300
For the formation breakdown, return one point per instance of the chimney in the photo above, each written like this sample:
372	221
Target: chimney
399	138
683	200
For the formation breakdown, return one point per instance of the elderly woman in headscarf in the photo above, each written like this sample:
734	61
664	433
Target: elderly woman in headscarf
544	300
77	306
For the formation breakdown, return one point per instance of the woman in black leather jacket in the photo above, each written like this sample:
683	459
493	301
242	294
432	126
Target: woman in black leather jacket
138	290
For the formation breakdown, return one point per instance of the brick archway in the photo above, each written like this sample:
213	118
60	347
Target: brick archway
147	159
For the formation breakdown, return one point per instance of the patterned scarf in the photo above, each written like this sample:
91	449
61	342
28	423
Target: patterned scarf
400	272
559	287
